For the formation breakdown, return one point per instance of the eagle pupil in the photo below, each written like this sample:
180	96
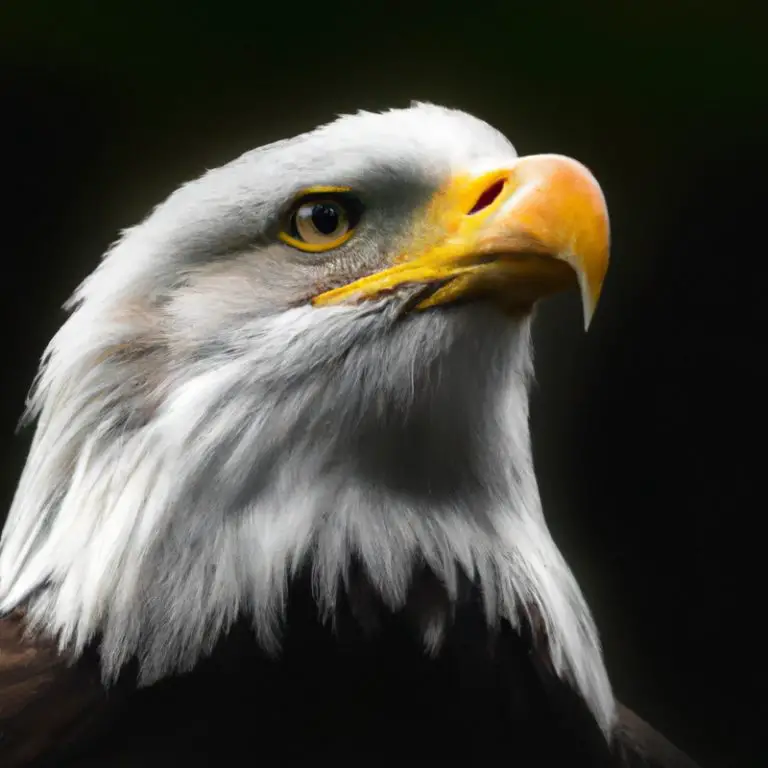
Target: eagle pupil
325	218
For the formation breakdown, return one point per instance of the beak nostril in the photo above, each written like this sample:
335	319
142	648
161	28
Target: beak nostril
488	196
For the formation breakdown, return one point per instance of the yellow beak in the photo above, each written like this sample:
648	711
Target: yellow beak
513	234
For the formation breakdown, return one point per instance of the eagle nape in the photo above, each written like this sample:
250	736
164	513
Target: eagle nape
281	489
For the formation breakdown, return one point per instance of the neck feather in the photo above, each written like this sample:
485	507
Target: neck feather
154	526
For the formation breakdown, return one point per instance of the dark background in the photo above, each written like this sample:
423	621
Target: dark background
648	434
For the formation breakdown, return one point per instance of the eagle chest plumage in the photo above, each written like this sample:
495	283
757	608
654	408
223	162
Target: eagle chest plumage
361	689
355	690
280	499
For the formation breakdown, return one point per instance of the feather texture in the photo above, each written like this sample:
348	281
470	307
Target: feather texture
205	439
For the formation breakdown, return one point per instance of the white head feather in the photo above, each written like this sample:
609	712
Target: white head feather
203	432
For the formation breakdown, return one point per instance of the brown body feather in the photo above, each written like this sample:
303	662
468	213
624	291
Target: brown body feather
640	746
339	692
46	702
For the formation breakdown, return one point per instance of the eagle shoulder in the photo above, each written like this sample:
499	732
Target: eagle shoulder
45	700
638	745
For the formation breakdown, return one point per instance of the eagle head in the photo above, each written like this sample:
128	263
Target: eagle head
313	356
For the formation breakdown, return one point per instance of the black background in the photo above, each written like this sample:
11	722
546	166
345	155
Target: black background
649	436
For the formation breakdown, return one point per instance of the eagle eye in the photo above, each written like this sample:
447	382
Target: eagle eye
321	220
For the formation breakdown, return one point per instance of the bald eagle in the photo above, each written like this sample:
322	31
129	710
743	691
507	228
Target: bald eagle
280	502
